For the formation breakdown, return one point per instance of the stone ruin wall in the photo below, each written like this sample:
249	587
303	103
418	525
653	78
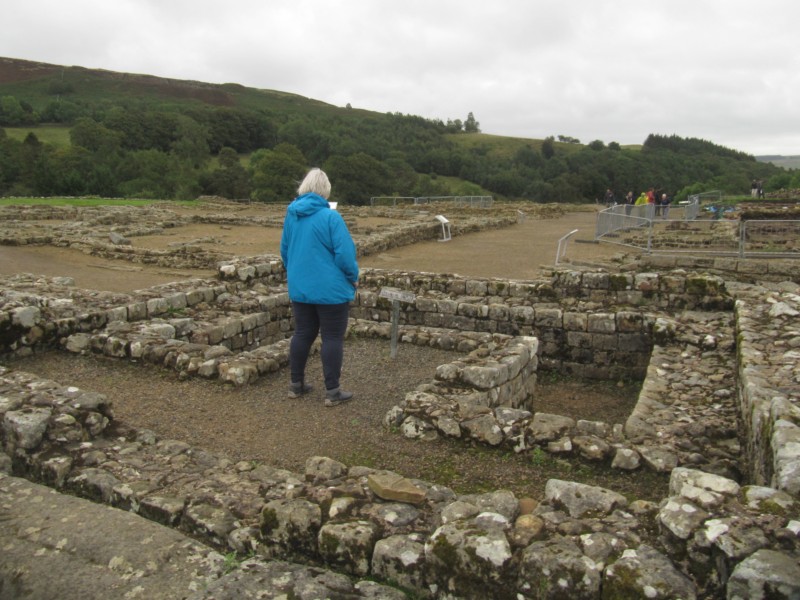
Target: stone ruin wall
421	536
106	232
704	366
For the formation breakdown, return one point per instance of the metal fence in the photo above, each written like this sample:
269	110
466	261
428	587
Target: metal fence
625	217
776	238
561	251
474	201
685	228
460	201
392	200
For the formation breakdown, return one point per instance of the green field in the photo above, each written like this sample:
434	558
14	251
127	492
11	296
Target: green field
55	135
88	202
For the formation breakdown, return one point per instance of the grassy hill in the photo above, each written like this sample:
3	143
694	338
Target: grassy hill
786	162
145	136
38	83
503	147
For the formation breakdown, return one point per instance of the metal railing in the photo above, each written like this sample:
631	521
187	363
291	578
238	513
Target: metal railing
391	200
460	201
474	201
561	251
774	238
684	228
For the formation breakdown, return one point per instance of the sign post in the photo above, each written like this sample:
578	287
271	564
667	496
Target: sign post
396	296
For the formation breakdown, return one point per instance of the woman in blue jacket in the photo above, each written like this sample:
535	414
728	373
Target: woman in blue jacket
320	260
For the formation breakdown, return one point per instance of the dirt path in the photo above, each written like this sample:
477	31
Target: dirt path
514	252
89	272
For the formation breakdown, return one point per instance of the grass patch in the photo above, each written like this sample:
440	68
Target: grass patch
89	201
55	135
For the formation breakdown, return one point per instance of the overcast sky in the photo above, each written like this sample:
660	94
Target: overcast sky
727	71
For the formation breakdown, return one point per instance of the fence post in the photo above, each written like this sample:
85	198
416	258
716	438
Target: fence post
562	245
742	237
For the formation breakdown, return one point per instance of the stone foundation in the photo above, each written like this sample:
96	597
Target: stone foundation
731	522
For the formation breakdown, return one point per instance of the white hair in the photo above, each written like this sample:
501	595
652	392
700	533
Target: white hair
316	181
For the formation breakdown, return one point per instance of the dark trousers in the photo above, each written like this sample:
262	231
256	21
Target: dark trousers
310	320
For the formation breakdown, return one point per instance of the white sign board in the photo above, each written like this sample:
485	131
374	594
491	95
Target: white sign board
395	294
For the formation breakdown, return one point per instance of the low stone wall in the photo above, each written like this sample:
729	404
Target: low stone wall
107	231
500	371
591	324
769	386
711	535
743	269
672	424
423	537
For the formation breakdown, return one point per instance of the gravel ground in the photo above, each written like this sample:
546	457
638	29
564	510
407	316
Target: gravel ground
259	423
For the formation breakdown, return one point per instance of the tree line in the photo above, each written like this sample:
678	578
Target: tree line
141	148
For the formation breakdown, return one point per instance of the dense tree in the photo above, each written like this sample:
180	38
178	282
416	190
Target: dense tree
471	125
142	143
242	130
10	165
548	147
32	160
275	173
61	111
401	174
12	112
357	178
91	135
129	124
231	180
430	186
454	126
191	142
149	174
526	156
312	140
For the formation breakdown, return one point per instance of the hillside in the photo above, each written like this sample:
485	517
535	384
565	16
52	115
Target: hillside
39	83
786	162
69	130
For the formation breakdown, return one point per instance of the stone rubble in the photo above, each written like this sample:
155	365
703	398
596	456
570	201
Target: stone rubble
719	411
110	232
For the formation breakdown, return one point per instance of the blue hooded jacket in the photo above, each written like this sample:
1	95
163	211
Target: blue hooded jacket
318	253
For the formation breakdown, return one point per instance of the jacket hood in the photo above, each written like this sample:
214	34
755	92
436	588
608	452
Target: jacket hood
306	205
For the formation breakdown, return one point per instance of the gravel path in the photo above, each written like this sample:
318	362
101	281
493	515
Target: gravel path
259	423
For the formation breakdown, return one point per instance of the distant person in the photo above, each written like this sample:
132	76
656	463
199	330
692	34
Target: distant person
665	202
651	200
760	189
754	189
609	198
321	269
642	199
629	202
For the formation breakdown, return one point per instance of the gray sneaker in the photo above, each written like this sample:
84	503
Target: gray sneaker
336	396
298	389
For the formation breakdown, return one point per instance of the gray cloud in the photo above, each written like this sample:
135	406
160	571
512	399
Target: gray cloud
726	71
